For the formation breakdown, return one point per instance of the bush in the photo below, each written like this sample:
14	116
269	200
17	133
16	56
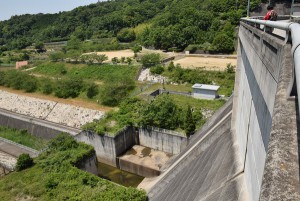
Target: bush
171	66
70	87
149	60
92	90
157	69
126	35
24	162
46	86
162	112
115	60
223	43
2	78
30	84
230	68
115	90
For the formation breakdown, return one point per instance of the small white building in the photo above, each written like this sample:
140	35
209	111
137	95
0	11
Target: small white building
205	91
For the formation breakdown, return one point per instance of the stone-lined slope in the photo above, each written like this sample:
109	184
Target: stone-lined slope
64	114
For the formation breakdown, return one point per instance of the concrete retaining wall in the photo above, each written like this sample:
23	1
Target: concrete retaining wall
137	169
37	127
89	164
108	148
260	57
162	140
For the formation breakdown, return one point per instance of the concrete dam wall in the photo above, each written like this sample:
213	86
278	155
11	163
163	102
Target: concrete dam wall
253	152
263	79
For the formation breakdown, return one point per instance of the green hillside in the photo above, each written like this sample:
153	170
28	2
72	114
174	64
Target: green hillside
161	24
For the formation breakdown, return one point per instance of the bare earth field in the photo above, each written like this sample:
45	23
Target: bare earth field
119	54
208	62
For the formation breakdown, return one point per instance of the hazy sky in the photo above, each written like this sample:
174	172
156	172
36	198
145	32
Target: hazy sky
18	7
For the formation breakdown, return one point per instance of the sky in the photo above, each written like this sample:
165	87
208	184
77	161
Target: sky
9	8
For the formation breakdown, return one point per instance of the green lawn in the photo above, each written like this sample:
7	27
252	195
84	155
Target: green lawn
22	137
92	72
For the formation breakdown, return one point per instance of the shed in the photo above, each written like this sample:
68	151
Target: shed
205	91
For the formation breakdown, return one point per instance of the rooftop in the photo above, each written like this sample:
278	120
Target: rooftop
206	86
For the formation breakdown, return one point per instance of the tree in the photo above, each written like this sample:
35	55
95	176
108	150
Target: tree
136	49
158	69
24	161
100	58
171	66
40	47
126	35
162	112
223	43
189	122
149	60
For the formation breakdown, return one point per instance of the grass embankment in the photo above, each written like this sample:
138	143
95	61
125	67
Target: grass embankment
55	177
92	72
22	137
71	81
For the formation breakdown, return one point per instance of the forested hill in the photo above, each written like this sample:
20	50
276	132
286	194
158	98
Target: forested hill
162	24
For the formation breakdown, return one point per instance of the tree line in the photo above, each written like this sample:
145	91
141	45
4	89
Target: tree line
161	24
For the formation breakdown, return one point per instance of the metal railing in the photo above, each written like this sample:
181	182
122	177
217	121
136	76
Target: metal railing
292	30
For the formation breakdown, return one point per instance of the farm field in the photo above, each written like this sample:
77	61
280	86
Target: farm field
208	63
119	54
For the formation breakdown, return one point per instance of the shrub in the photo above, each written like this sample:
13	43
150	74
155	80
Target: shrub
162	112
115	60
149	60
92	90
115	90
126	35
24	161
46	86
230	68
171	66
70	87
2	78
157	69
129	60
30	84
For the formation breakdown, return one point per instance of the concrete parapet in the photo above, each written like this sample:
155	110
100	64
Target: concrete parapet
264	70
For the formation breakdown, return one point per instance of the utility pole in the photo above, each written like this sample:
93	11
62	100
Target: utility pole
292	7
248	9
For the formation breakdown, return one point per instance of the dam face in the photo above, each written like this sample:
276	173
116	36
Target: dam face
261	161
260	58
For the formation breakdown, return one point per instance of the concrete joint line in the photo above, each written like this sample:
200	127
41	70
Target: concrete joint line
50	111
